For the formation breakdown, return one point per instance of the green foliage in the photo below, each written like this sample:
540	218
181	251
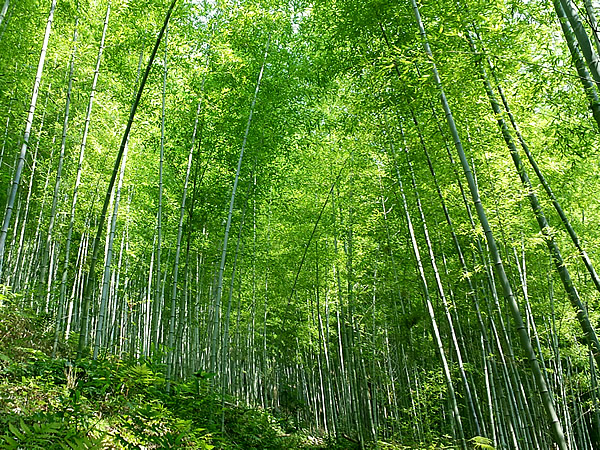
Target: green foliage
140	379
55	404
345	80
48	435
483	443
98	403
22	327
154	425
251	429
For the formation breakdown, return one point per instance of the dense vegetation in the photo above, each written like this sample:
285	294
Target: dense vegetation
275	224
50	403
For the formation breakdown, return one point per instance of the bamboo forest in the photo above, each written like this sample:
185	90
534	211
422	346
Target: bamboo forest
286	224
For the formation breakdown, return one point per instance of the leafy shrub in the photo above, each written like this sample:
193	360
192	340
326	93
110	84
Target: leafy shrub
22	328
154	426
252	429
139	379
48	403
482	443
47	436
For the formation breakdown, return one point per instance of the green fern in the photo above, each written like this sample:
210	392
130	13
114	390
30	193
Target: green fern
141	377
483	443
47	435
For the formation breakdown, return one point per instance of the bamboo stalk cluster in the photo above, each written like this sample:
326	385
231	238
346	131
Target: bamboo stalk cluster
383	284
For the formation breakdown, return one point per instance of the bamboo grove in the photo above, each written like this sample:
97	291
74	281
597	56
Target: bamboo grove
378	219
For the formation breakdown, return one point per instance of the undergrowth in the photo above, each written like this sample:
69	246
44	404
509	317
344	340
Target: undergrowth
49	403
55	403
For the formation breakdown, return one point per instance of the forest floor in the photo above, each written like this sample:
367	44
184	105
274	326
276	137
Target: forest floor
53	403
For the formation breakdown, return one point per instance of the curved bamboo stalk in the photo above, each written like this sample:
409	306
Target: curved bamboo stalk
428	303
21	158
548	402
561	268
219	293
589	87
90	281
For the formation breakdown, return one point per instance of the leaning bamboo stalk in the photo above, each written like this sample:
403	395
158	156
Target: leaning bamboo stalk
45	279
561	268
158	299
86	127
219	293
589	87
591	15
439	283
171	334
225	352
430	310
557	206
90	281
25	249
548	402
591	57
21	158
100	326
